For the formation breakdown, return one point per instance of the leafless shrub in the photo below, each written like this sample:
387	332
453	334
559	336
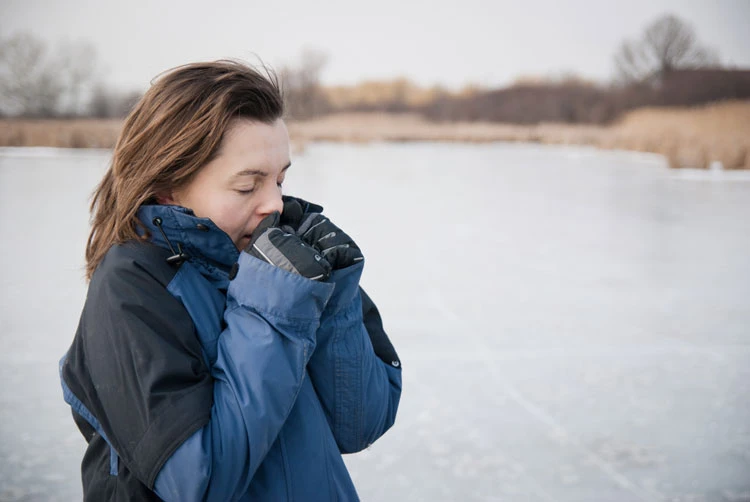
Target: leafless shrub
37	83
303	94
666	45
27	80
107	103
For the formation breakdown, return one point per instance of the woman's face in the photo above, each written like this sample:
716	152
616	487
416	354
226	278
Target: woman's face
242	184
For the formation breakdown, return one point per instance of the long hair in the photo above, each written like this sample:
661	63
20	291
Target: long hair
171	133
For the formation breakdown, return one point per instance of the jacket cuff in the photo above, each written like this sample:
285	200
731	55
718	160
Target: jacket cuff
346	281
274	291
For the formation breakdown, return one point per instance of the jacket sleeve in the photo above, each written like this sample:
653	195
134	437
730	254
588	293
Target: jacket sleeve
271	319
355	370
155	396
135	369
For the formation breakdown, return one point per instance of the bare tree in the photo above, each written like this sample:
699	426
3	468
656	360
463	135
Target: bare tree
76	63
28	83
301	84
667	44
35	83
109	103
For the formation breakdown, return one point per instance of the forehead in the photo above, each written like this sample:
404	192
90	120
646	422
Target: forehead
249	145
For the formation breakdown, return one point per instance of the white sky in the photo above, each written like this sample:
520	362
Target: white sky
447	42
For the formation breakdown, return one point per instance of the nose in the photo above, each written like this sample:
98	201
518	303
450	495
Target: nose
271	201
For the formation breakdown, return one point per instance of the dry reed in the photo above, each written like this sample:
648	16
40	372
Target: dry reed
687	137
78	133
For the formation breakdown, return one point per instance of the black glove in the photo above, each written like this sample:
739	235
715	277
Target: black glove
286	250
294	210
305	219
332	242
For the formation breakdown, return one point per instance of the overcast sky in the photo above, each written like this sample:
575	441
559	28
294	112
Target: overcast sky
487	42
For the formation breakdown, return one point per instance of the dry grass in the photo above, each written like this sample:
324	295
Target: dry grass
375	93
79	133
689	137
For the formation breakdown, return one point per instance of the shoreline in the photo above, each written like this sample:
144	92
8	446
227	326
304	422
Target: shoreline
687	137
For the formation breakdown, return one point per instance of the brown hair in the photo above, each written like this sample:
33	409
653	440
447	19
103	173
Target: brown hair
173	131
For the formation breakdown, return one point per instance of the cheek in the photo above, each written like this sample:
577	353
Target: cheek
230	219
236	217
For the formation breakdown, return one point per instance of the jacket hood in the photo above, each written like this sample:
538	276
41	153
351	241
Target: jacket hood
206	245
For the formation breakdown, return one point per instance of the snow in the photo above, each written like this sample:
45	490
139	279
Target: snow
573	324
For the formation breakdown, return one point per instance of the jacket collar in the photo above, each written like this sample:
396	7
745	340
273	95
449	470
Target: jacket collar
207	246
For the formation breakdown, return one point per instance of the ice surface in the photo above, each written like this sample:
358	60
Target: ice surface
574	325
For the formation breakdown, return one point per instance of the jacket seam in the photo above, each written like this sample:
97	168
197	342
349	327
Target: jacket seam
295	321
338	377
329	476
191	429
159	413
167	452
285	466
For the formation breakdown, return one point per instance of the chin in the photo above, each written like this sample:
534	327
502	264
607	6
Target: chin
242	243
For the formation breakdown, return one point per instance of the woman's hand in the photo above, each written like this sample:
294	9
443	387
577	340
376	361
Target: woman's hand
314	228
286	250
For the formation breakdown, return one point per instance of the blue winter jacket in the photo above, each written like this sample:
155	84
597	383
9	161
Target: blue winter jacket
216	376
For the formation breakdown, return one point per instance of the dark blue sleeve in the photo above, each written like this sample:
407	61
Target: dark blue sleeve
359	386
271	321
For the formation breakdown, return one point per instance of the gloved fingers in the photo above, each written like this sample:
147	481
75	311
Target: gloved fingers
334	244
269	221
345	247
292	212
342	256
310	224
309	207
288	252
334	238
320	232
295	208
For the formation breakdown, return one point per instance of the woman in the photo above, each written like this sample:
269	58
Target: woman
225	350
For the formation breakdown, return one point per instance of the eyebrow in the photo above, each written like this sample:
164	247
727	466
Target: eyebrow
256	172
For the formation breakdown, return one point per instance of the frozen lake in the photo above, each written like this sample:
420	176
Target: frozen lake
574	325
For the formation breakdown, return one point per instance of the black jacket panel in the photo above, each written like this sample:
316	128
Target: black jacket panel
153	388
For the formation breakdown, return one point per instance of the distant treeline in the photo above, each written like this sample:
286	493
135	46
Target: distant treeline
569	101
580	102
666	66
